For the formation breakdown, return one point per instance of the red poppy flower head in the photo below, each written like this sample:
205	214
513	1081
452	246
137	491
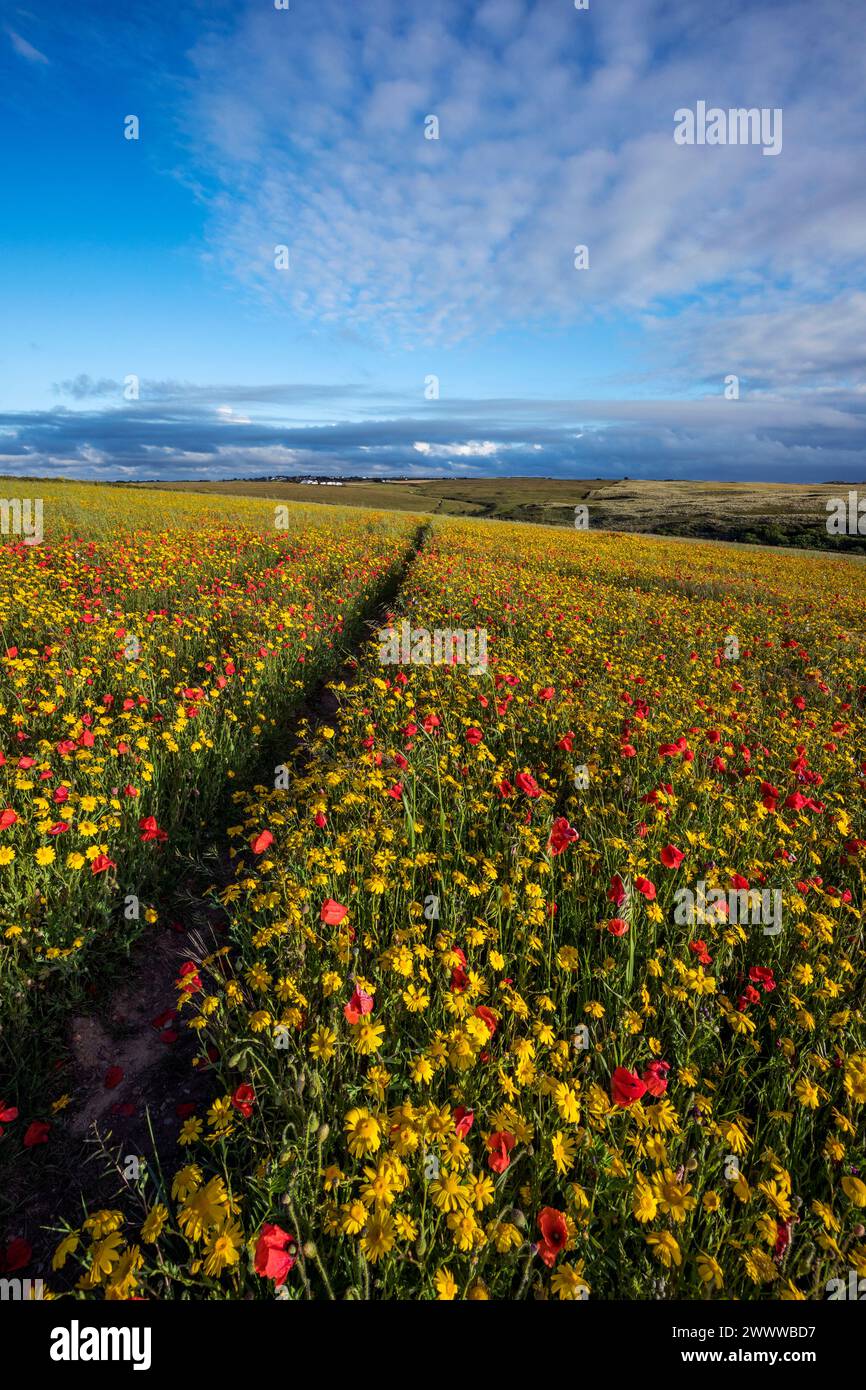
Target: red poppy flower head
554	1234
527	784
332	912
655	1077
36	1133
487	1017
648	889
616	893
359	1005
464	1119
499	1147
276	1253
626	1087
244	1099
18	1255
561	836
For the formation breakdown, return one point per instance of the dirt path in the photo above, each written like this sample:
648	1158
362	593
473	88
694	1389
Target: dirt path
132	1069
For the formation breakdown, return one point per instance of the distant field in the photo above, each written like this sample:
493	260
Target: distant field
547	500
752	513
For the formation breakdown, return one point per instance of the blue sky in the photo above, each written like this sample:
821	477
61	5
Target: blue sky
413	258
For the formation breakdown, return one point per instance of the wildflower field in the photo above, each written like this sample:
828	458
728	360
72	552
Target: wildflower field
542	975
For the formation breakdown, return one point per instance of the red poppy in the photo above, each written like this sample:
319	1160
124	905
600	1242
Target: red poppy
189	980
7	818
499	1147
8	1113
783	1239
487	1016
101	863
359	1004
762	975
769	795
561	836
463	1121
616	893
19	1253
244	1099
113	1078
655	1077
527	784
261	842
672	857
36	1133
151	831
332	912
554	1234
626	1087
617	926
276	1253
648	889
474	735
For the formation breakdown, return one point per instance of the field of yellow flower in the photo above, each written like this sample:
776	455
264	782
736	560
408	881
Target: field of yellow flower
546	959
149	647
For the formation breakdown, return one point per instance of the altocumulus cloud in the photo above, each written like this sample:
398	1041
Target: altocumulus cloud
553	130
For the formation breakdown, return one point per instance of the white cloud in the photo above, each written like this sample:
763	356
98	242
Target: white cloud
25	49
473	449
556	128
